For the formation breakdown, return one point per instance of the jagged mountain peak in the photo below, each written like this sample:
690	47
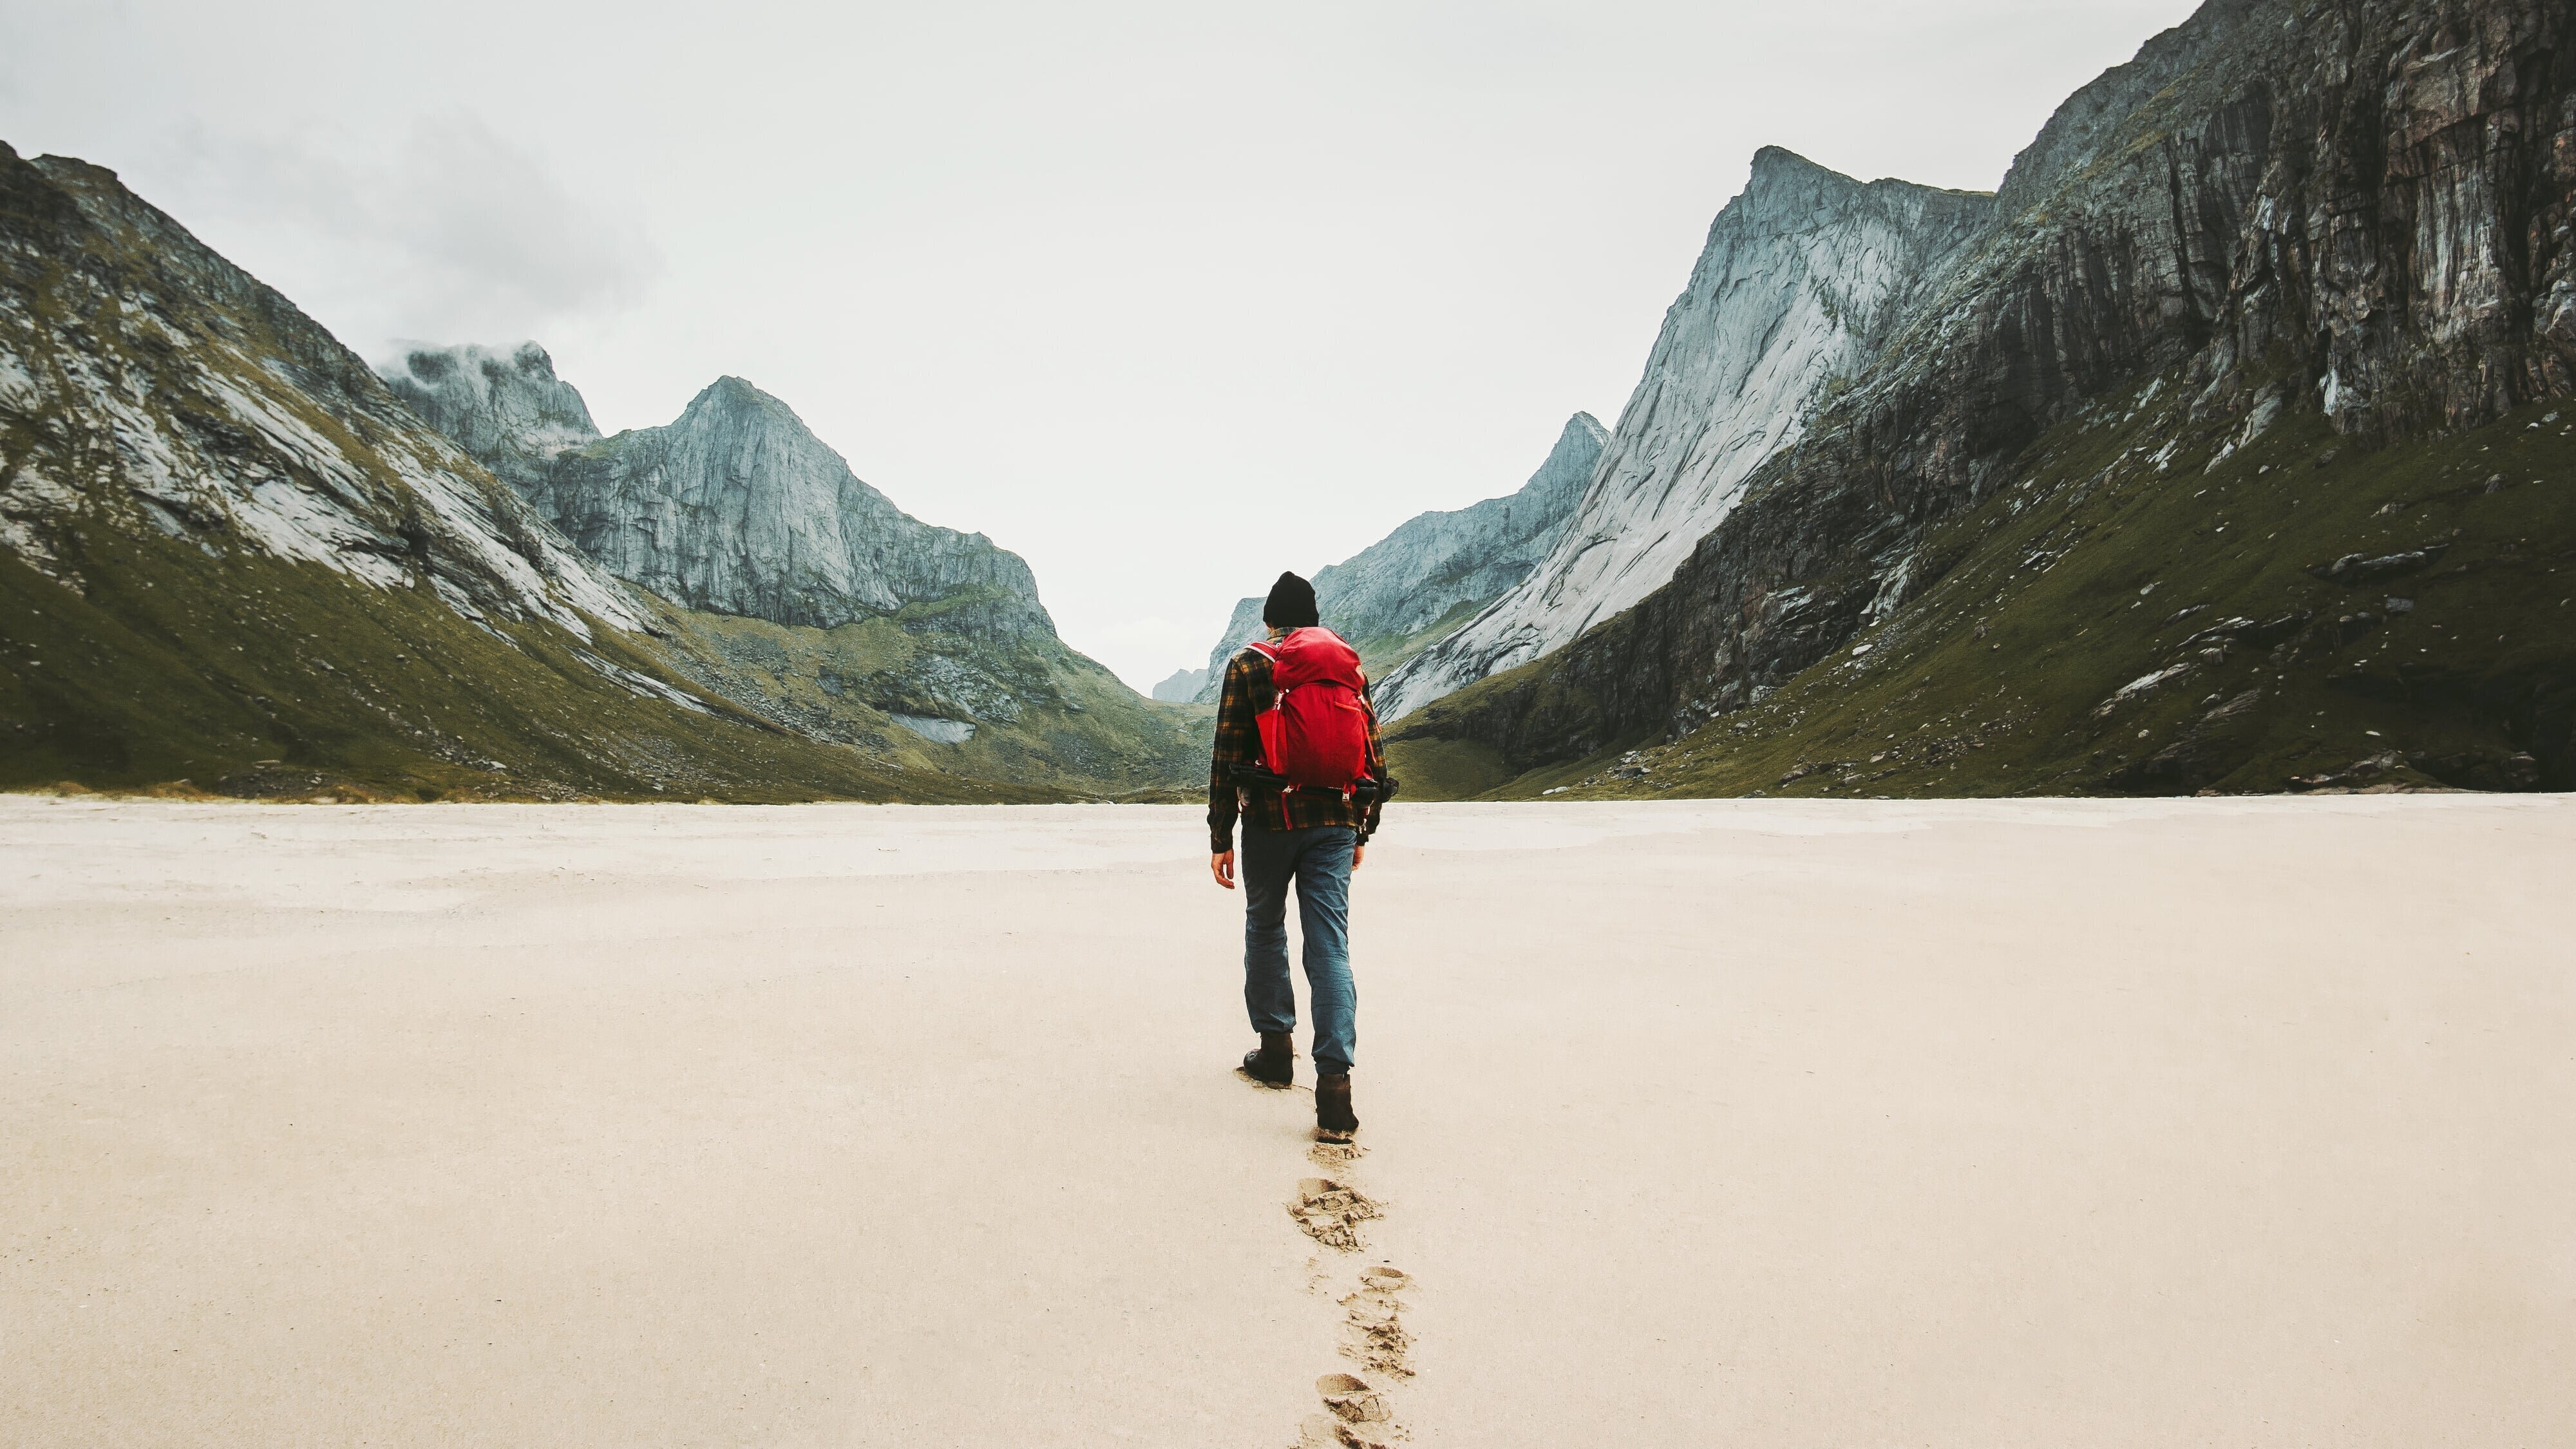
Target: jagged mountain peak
1804	273
1782	176
738	507
433	361
1777	167
2074	135
738	394
506	409
1776	163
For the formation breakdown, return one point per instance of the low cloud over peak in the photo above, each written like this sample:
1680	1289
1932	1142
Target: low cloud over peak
454	229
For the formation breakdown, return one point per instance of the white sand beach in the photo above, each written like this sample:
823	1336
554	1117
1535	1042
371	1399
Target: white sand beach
1761	1124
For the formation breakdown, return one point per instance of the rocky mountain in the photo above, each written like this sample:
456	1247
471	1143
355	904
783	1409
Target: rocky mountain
511	414
1183	686
738	508
233	560
737	517
1415	586
2228	455
1803	277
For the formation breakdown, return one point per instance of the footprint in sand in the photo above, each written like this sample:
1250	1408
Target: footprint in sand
1356	1416
1334	1156
1357	1413
1331	1213
1373	1333
1353	1399
1323	1431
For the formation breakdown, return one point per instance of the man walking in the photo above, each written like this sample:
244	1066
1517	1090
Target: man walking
1297	756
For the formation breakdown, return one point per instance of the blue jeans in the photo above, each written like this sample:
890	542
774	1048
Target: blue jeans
1319	859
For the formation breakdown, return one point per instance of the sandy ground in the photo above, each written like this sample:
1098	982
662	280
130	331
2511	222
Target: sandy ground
2187	1123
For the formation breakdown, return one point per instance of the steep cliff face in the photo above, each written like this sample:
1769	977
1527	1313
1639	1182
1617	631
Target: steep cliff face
1802	278
738	508
1411	588
2354	213
509	413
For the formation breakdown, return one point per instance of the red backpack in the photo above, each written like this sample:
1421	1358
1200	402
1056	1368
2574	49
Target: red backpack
1315	733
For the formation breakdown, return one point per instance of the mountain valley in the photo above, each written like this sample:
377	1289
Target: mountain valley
2226	447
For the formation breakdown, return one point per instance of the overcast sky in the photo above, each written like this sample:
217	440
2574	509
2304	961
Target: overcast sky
1165	297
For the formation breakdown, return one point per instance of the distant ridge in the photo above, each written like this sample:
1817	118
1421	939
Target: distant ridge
1414	586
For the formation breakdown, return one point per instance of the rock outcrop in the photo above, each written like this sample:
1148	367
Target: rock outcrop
735	508
509	413
1434	572
2361	210
1803	278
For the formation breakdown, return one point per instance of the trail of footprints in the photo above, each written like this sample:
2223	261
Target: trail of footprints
1357	1413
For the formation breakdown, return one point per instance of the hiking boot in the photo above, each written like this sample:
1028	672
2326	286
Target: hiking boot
1333	1105
1275	1064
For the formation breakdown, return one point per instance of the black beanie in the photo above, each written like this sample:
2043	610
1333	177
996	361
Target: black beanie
1291	604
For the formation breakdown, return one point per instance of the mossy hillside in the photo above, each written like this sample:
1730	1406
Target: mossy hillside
1447	769
251	675
1044	715
2093	569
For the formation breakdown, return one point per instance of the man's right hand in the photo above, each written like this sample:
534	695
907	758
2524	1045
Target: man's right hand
1221	865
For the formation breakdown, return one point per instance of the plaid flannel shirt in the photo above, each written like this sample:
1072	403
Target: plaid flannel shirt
1238	742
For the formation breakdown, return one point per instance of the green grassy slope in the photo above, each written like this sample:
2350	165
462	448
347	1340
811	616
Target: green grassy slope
1047	717
252	676
2094	571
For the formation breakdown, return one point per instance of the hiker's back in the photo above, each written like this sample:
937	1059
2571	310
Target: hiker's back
1315	734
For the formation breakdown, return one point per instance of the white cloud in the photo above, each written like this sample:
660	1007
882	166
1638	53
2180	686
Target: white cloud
449	230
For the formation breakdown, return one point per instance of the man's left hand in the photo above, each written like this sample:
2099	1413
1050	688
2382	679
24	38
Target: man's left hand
1358	853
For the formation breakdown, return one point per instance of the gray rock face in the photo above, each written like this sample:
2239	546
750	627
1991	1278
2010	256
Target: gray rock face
511	414
1182	687
1803	277
736	508
1438	568
2365	210
1439	563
